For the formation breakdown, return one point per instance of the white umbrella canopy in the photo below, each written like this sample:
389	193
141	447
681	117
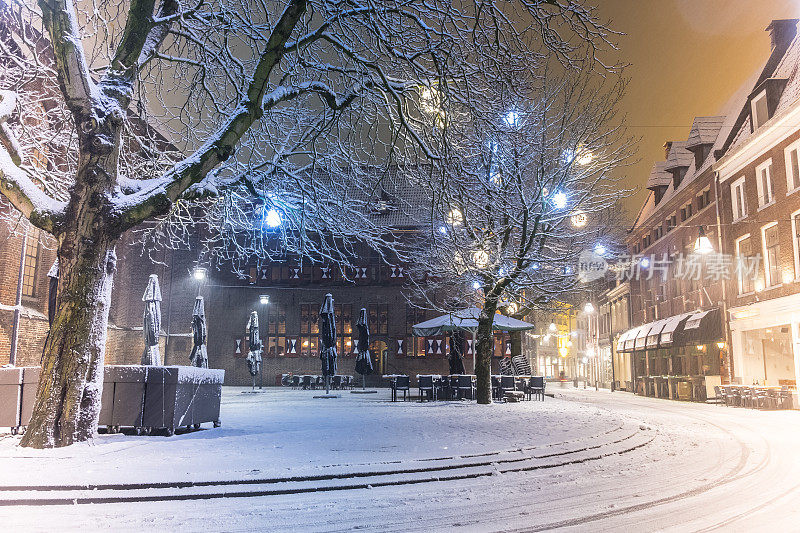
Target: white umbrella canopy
466	320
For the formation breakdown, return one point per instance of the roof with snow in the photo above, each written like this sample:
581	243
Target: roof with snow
678	156
782	66
730	130
659	177
704	131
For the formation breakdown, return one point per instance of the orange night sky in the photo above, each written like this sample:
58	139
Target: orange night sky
688	58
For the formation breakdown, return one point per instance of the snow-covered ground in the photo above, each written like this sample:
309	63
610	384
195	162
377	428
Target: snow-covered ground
285	461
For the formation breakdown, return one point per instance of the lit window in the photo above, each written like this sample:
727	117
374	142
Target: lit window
739	201
744	254
796	242
764	182
772	268
759	110
792	158
31	262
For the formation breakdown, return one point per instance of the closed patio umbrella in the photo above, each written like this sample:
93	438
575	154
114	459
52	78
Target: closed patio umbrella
254	351
456	359
52	292
327	339
363	360
152	322
199	355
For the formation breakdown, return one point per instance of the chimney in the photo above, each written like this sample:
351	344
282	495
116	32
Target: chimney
781	32
667	147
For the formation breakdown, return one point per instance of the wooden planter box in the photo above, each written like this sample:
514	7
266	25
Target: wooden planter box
17	395
179	396
10	397
140	397
122	403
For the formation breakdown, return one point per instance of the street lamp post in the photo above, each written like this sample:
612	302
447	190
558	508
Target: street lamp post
263	300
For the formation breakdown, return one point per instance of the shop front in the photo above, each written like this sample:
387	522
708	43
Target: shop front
765	337
679	357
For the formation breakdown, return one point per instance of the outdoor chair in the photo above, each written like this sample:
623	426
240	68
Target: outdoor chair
535	387
336	382
785	398
507	383
295	382
319	382
773	399
401	383
496	390
306	382
735	396
347	382
466	389
426	388
720	396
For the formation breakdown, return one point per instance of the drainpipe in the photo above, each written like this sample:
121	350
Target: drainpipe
725	322
12	356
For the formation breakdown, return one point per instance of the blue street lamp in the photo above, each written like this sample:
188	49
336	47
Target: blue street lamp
559	200
273	219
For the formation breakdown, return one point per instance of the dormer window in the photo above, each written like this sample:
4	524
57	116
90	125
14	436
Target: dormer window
759	110
677	176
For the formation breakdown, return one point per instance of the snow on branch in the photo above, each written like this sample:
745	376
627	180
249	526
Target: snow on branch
16	184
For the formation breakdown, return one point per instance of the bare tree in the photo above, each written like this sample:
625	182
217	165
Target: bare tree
522	174
145	104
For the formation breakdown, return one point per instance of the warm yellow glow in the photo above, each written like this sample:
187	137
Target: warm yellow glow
512	308
563	352
721	345
455	217
701	347
703	245
585	157
579	219
305	344
480	258
552	326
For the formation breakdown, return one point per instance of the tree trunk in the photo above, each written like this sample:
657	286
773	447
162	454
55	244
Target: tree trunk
68	399
67	404
485	341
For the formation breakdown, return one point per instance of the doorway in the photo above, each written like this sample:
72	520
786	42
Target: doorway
379	350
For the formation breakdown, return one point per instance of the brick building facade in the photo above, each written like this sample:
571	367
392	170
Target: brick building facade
723	202
759	179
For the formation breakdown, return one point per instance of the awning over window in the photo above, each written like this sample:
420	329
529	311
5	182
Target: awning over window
630	341
622	339
641	337
694	320
703	327
671	327
655	333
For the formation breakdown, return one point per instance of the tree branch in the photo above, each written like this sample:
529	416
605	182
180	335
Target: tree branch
16	185
156	200
61	22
